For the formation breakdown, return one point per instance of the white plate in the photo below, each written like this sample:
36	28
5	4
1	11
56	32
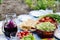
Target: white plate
57	33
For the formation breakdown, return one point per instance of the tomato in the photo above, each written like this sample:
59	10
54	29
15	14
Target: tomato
19	34
20	37
50	20
22	34
26	33
43	19
47	18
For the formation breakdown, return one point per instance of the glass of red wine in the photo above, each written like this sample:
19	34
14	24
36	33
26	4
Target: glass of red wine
9	26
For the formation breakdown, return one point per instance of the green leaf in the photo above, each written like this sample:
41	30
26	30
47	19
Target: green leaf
40	4
29	37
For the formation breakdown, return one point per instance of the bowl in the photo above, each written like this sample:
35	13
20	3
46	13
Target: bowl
44	34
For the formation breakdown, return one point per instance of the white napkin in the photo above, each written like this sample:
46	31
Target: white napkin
58	13
1	22
38	13
24	17
34	13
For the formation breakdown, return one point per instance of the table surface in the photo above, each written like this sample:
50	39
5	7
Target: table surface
2	37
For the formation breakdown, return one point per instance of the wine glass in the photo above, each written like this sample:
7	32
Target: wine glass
9	25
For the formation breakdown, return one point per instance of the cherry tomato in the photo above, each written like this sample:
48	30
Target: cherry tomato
19	34
20	37
50	20
23	33
47	18
26	33
43	19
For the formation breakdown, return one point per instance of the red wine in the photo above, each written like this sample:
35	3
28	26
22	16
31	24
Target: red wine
10	29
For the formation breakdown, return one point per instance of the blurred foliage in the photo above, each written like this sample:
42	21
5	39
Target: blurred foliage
1	1
58	0
40	4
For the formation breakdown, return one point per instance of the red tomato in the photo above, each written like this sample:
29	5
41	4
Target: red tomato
39	21
46	21
26	33
23	33
19	34
50	20
20	37
43	19
47	18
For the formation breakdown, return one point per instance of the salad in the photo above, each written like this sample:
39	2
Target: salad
46	26
25	35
